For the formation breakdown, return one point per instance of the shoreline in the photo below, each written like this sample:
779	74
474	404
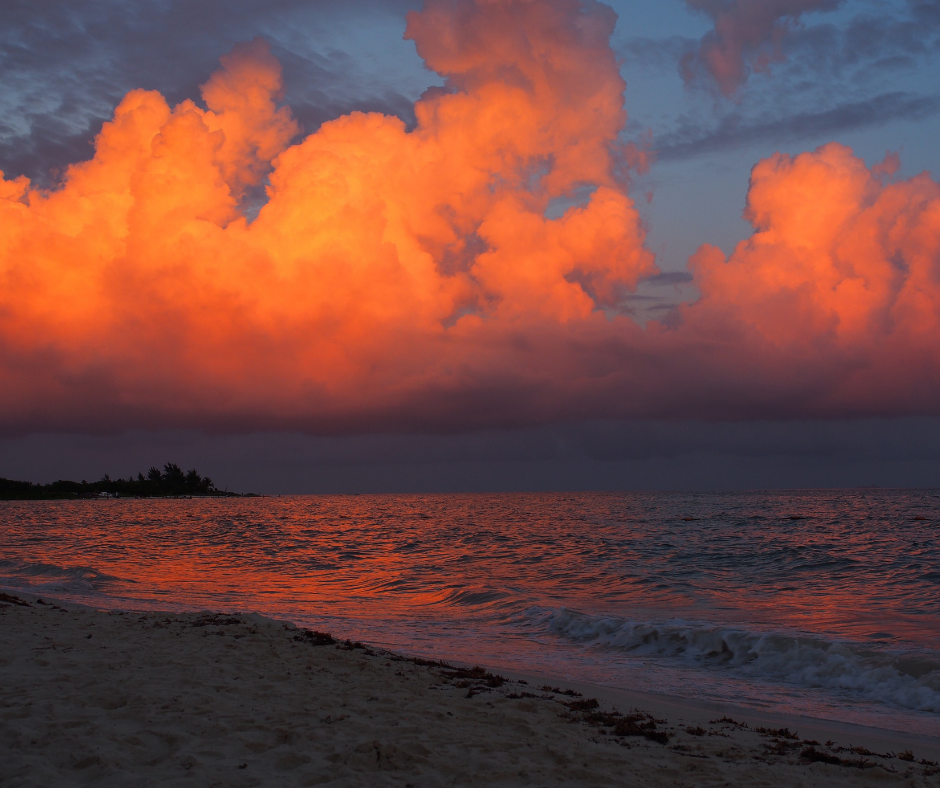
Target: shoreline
694	712
238	699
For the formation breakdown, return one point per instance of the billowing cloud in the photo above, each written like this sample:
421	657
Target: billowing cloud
385	266
747	36
413	279
837	292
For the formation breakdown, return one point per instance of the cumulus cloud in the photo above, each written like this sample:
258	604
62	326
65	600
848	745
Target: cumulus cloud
138	291
416	278
838	287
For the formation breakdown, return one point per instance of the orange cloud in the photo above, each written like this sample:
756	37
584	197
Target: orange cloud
839	286
386	263
409	279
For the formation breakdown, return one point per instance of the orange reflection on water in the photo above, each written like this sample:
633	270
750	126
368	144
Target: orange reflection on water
713	596
852	564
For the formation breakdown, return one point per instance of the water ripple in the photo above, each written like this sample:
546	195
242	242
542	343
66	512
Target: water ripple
824	602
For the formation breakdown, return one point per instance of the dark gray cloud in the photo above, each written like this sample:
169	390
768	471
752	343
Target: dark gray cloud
746	37
67	64
670	278
657	297
870	42
870	64
875	37
735	130
593	456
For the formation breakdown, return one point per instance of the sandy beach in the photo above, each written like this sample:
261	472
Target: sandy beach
205	699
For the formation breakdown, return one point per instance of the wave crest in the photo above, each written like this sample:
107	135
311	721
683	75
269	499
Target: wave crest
905	680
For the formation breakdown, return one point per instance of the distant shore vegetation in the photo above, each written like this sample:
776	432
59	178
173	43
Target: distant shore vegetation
171	482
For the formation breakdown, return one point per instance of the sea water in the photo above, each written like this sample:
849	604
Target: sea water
824	603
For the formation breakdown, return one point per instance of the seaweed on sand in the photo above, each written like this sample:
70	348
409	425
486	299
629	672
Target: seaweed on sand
588	704
314	637
626	725
217	620
728	721
557	691
813	755
476	675
783	733
352	645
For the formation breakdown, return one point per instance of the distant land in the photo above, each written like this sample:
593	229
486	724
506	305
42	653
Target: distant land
172	482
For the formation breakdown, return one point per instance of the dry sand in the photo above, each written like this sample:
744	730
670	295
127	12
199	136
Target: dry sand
130	699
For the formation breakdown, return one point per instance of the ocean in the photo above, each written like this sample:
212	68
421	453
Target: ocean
824	603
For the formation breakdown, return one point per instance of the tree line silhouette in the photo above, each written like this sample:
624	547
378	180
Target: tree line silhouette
171	482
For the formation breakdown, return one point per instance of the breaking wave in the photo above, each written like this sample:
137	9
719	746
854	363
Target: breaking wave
906	680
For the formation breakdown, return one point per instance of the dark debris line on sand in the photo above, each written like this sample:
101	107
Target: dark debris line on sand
8	599
722	741
779	742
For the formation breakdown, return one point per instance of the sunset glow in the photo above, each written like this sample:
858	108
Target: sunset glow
431	277
492	392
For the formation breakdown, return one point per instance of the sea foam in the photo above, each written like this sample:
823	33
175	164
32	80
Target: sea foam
906	680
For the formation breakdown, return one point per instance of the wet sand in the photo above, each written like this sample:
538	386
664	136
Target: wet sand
121	698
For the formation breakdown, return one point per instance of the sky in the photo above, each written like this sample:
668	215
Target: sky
491	245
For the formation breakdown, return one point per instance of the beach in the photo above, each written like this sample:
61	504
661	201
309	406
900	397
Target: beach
219	699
